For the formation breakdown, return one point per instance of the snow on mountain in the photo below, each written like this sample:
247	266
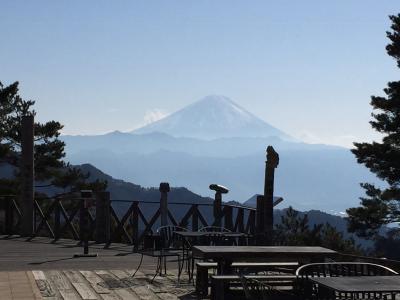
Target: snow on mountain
213	117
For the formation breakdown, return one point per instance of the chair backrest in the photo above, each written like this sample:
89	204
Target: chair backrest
167	235
343	269
214	229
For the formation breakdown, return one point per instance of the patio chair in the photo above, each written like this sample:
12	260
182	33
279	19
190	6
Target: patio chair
334	269
170	243
168	238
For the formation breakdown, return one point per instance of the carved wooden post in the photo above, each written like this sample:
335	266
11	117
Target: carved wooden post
268	211
164	189
103	216
260	214
27	175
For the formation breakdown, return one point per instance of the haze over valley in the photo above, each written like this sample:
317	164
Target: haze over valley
216	141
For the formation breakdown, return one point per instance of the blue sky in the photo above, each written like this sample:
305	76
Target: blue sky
306	67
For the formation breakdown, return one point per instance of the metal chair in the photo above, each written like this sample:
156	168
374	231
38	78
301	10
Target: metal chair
168	238
169	248
334	269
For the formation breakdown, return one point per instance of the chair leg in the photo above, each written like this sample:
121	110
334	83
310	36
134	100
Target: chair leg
158	268
180	268
138	267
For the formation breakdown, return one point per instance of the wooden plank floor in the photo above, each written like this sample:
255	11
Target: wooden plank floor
110	284
51	267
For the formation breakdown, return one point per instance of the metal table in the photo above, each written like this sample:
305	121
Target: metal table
225	255
191	238
355	285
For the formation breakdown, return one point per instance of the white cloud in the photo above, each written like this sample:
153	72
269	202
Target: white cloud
339	140
153	115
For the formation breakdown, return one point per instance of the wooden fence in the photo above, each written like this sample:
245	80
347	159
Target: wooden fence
123	221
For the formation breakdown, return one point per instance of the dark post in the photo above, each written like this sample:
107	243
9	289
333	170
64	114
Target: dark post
268	213
103	216
219	190
240	220
86	202
195	218
9	214
27	175
217	209
228	217
57	216
260	214
135	225
164	189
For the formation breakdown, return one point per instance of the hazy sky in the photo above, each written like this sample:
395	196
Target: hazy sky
306	67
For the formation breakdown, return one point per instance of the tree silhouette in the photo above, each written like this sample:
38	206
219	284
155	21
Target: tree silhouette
50	169
381	205
295	230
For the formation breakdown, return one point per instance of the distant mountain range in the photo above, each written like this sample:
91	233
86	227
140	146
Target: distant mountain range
216	141
127	191
120	189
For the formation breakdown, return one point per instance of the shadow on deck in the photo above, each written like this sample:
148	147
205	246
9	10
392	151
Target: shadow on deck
60	276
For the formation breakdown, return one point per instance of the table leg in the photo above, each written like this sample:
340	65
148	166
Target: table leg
224	266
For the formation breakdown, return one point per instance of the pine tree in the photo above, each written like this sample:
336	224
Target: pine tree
382	205
295	230
50	169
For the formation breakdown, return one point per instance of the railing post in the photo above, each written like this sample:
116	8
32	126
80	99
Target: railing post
135	225
164	189
27	175
228	217
195	218
9	216
240	220
103	216
86	202
57	221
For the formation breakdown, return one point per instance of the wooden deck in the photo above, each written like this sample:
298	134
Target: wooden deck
41	269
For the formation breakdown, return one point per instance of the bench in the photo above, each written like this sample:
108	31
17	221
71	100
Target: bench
204	267
221	283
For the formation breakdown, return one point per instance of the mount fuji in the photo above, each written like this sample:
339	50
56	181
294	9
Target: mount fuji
213	117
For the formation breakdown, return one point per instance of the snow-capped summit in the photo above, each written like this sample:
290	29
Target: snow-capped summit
213	117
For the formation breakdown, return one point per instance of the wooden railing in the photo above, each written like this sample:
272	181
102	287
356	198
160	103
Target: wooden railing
120	221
